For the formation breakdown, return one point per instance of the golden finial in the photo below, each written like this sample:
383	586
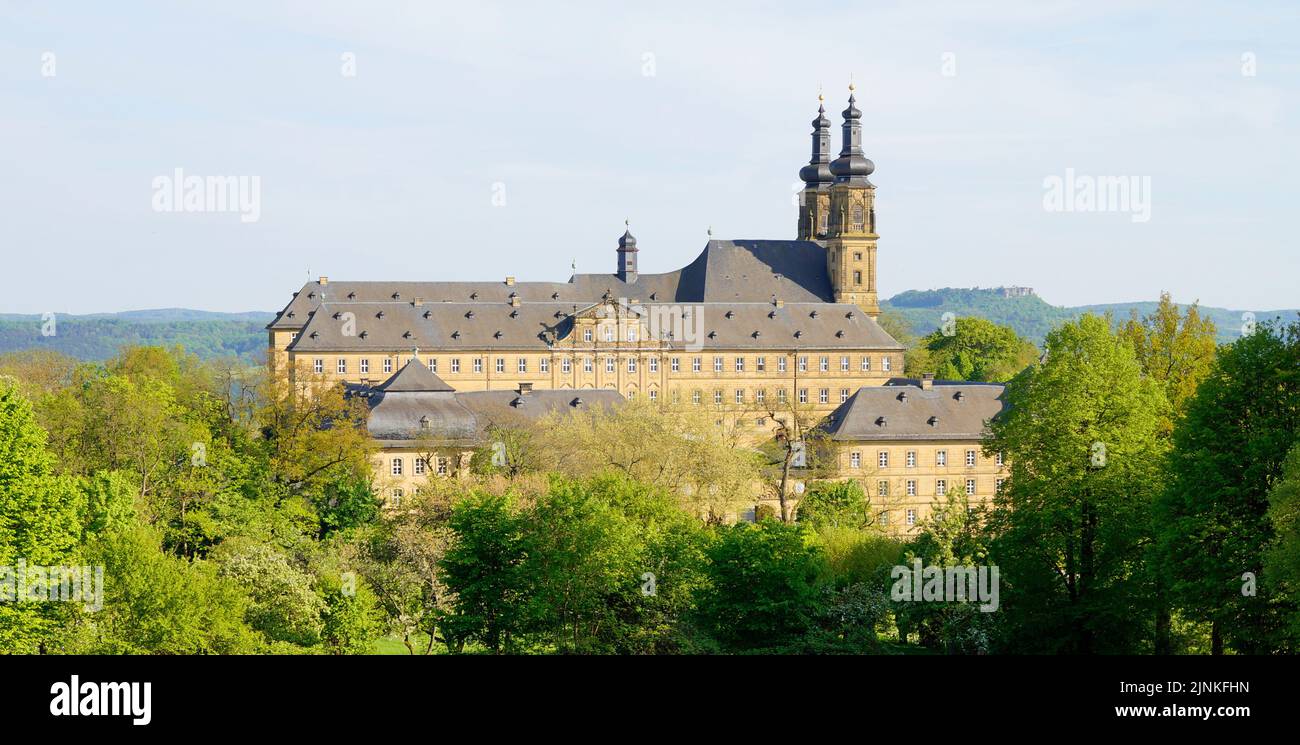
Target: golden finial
820	98
851	86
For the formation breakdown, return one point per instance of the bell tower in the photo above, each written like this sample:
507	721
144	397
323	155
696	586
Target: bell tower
815	199
851	235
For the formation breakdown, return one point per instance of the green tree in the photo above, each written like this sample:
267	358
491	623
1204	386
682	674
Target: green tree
1282	563
284	605
1176	349
835	504
352	619
40	517
977	350
765	586
1069	529
485	569
155	603
1229	450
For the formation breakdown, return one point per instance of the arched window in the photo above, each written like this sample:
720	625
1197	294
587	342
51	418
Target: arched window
858	219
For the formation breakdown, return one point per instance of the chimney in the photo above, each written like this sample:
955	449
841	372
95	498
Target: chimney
510	281
324	281
525	389
927	381
417	302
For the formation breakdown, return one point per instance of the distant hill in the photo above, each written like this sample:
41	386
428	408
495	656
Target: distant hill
98	336
1031	316
210	335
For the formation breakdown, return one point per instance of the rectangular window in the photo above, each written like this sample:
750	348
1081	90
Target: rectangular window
824	396
740	364
780	364
418	468
654	364
566	365
455	364
886	363
654	395
844	364
343	366
545	364
882	459
677	396
941	487
586	334
866	364
824	364
501	364
717	396
882	488
397	466
631	364
319	366
803	395
780	395
433	364
970	487
695	397
609	364
442	466
844	395
855	460
522	365
695	364
478	364
970	457
911	517
586	364
717	364
760	364
911	487
365	366
999	458
676	364
760	396
631	333
631	395
911	459
388	365
740	395
609	333
884	518
997	485
941	458
803	364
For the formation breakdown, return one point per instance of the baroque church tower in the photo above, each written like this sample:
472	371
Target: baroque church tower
850	237
815	199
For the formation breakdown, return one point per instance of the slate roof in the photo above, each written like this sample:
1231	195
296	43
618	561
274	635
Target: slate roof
902	410
736	271
413	406
474	326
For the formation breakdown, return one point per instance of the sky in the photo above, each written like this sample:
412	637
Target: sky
470	141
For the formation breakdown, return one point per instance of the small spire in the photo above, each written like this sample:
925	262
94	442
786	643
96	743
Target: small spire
710	231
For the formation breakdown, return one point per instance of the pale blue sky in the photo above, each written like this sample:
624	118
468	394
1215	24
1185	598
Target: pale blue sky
389	174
